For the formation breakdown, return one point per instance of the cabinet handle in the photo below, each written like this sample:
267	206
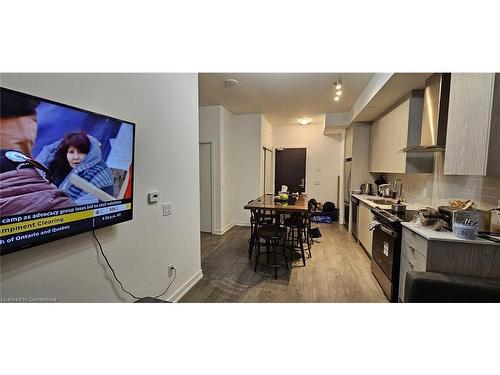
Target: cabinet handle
412	266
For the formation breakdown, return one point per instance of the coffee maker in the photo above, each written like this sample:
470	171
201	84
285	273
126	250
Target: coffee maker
366	189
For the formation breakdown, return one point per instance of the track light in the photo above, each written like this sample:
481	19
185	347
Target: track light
338	87
338	84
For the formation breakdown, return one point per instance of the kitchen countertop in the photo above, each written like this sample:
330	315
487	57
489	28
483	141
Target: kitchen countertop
427	233
366	199
444	235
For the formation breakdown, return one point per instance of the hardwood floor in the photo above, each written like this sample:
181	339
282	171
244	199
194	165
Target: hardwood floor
339	271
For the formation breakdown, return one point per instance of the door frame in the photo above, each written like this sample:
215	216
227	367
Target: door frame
212	181
276	148
264	149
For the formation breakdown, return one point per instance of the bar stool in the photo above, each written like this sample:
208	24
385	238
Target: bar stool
297	233
274	237
268	218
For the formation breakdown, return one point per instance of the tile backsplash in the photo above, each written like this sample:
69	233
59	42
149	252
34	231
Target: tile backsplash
436	189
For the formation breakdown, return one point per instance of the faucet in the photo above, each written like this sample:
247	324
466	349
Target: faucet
400	191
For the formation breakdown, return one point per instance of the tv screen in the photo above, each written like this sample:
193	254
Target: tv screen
63	170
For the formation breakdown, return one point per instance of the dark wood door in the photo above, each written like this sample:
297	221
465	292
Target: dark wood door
290	170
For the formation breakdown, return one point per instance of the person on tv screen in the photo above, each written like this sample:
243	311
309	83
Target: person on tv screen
77	167
23	190
18	127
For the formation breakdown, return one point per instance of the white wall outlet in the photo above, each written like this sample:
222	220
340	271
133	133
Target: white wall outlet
167	208
171	270
153	197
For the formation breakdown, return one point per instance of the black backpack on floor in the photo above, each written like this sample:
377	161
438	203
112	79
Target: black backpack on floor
328	207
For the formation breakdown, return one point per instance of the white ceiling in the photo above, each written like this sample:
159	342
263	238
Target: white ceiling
398	86
282	97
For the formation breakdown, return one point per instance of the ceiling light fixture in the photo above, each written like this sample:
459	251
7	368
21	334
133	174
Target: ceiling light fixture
230	82
304	121
338	87
338	84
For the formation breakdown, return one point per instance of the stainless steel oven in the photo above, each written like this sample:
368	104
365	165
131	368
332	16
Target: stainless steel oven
386	249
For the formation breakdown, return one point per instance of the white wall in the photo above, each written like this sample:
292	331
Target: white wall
210	131
236	143
266	133
227	168
323	158
246	168
165	109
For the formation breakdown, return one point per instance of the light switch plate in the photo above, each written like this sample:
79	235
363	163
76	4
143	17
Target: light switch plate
167	208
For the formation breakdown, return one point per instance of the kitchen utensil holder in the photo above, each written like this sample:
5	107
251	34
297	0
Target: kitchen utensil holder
465	231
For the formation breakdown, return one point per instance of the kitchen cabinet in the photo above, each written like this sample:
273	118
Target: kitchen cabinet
456	257
365	235
396	129
473	130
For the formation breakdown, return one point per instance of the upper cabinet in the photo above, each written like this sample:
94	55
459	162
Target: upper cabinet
396	129
473	131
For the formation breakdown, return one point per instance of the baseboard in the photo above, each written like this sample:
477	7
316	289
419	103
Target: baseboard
224	230
186	287
242	224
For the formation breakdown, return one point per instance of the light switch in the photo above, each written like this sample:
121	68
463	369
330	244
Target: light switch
167	208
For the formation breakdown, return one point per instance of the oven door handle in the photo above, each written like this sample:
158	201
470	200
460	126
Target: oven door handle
388	231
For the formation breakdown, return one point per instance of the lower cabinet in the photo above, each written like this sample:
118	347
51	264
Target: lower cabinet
461	258
413	257
365	235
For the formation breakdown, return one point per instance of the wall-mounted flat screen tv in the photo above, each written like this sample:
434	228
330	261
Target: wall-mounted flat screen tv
63	170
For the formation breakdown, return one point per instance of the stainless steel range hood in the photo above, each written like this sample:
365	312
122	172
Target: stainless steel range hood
435	115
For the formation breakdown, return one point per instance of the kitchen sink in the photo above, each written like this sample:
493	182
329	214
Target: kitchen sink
382	201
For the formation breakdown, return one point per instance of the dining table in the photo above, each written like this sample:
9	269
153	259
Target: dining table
266	202
279	211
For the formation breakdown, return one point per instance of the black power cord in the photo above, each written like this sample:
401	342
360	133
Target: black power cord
119	282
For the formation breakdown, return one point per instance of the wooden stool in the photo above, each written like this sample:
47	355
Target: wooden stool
274	237
297	233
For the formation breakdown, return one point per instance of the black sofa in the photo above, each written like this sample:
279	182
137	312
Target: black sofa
440	287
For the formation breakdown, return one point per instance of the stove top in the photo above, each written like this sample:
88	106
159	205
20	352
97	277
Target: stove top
393	217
